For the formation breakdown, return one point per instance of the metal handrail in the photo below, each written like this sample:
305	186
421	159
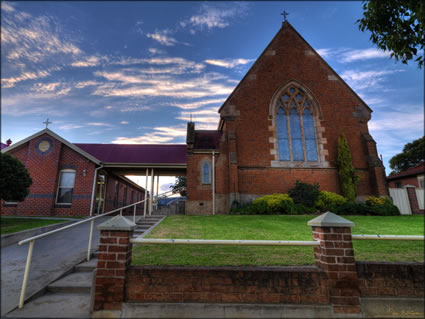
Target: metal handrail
389	237
32	240
225	242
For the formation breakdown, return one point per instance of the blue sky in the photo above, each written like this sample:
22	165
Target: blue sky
133	72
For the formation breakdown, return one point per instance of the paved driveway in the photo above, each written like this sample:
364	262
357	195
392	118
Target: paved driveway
52	256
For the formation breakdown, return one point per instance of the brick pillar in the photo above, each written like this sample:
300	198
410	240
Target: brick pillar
336	257
113	260
413	200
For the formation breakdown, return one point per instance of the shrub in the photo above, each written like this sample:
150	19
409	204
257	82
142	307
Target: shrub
305	194
328	201
300	209
375	201
269	204
346	170
351	208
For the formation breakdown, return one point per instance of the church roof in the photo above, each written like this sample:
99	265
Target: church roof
416	170
207	139
137	153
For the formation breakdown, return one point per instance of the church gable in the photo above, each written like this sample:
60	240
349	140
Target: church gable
290	59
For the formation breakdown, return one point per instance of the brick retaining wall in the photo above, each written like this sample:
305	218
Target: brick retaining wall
294	285
378	279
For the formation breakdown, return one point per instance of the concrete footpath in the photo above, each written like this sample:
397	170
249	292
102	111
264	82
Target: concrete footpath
52	256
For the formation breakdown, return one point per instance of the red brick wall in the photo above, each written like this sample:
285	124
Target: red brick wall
300	285
378	279
410	180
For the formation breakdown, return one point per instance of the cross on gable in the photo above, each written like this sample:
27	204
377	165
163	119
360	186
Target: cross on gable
284	14
47	122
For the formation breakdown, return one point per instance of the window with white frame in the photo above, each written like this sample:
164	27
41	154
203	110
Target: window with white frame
66	186
206	172
421	181
295	126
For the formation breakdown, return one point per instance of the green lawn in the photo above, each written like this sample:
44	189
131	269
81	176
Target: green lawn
13	225
273	227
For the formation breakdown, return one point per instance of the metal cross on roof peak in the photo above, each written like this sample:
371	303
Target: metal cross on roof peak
284	14
47	122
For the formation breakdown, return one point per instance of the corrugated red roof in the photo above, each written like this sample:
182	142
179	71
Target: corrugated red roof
207	139
137	153
417	170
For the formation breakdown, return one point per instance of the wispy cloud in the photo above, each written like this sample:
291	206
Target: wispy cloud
212	16
163	37
135	108
124	122
155	51
50	90
67	127
100	124
160	135
228	63
89	61
347	55
198	104
360	80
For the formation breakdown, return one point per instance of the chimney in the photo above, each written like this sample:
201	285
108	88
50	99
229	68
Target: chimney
190	135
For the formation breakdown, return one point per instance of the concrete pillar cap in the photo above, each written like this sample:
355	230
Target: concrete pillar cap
329	219
117	223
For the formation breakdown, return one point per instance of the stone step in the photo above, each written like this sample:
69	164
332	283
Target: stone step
55	305
87	266
77	282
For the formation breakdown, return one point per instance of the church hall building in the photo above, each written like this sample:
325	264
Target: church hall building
280	124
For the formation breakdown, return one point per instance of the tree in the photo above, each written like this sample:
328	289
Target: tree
397	26
413	154
14	179
180	185
346	170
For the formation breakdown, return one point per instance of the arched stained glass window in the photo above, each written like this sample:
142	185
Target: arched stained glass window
282	135
296	138
206	173
309	136
295	126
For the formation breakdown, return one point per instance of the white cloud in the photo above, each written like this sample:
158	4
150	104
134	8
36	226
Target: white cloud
89	61
228	63
135	109
198	104
360	80
163	37
161	135
155	51
214	16
83	84
108	107
364	54
124	122
6	6
324	53
69	126
99	124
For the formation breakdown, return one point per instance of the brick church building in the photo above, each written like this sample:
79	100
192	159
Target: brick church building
281	124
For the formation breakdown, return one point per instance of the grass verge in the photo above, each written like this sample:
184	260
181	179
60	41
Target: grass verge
13	225
272	227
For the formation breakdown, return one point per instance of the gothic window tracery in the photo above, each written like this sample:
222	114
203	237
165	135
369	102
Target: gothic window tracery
295	126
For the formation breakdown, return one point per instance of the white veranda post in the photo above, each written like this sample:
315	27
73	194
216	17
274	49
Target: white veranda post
157	190
151	194
146	193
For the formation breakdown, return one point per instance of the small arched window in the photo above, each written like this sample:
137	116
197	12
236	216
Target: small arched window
206	172
295	127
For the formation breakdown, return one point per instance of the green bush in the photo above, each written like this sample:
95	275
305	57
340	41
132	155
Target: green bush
300	209
328	201
352	208
270	204
375	201
305	194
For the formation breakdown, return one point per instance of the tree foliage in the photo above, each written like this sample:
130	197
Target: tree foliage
397	26
14	179
346	171
180	185
413	154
